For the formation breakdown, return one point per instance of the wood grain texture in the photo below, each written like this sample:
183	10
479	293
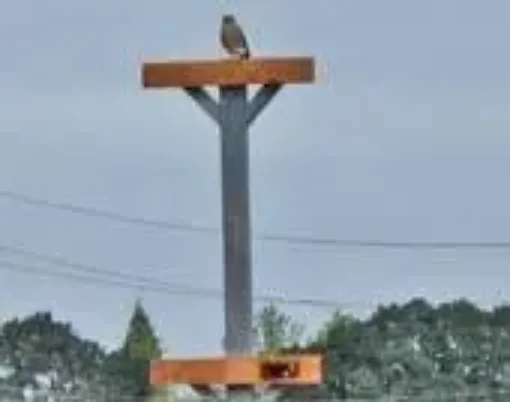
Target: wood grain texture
228	72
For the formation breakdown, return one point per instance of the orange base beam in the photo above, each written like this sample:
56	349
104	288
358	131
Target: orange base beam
241	370
228	72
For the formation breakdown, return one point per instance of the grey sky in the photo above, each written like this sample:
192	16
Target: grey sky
405	136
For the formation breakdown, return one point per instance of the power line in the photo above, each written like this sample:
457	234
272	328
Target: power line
290	239
394	244
89	269
112	278
97	213
108	282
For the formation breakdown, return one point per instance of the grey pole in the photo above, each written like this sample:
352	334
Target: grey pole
234	114
235	167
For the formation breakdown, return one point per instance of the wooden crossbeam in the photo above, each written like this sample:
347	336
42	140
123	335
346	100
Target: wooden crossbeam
228	72
239	370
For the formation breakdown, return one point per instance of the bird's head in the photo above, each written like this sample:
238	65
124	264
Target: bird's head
229	19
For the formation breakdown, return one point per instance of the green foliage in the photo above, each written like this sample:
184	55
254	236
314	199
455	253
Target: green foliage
129	366
46	356
42	353
418	349
276	330
140	341
340	341
415	349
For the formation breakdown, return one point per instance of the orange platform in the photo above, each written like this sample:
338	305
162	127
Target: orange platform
197	73
240	370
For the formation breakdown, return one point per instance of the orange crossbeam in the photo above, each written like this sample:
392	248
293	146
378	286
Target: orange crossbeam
242	370
228	72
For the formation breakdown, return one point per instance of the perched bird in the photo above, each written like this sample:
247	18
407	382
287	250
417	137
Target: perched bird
233	39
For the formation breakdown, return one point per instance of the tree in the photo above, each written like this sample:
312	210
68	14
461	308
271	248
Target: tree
340	343
140	341
46	356
276	330
128	368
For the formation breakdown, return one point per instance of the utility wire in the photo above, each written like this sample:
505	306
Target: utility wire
290	239
89	269
112	279
118	279
96	213
109	278
96	280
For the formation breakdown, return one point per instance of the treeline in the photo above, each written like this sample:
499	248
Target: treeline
452	351
42	357
415	349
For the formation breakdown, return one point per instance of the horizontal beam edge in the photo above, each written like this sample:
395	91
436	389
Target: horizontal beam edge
228	72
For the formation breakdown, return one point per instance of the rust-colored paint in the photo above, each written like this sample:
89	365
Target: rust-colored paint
228	72
241	370
220	370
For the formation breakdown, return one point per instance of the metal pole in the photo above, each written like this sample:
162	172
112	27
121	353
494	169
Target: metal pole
234	114
233	106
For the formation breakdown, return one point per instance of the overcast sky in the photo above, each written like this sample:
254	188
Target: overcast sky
405	136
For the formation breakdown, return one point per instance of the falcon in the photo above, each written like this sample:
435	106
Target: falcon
233	39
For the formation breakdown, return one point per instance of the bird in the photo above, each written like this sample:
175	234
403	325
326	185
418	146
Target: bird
233	39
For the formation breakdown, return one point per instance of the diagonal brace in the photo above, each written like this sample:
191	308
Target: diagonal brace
261	99
206	102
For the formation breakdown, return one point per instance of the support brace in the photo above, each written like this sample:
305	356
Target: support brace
206	102
255	106
264	95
